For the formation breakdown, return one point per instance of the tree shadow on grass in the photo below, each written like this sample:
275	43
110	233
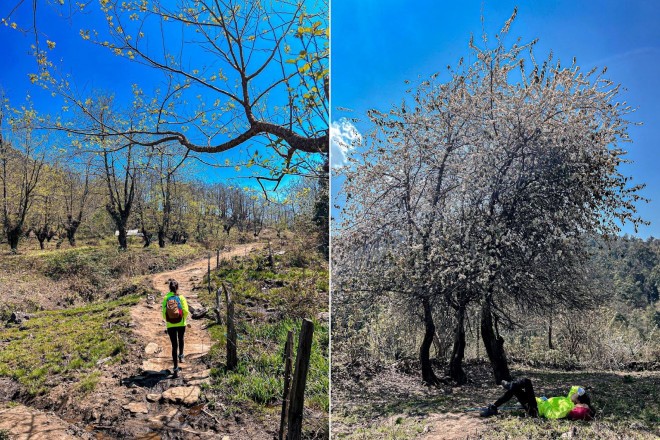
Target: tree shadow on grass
624	402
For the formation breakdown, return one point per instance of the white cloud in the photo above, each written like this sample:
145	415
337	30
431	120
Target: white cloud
344	136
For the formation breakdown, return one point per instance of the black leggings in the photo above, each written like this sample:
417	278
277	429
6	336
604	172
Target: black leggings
523	390
176	333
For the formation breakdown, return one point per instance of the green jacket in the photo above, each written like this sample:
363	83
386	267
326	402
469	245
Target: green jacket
556	407
184	306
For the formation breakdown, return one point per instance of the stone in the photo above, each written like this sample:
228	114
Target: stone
199	375
164	417
150	365
103	361
323	316
136	408
19	317
197	311
153	397
185	395
152	348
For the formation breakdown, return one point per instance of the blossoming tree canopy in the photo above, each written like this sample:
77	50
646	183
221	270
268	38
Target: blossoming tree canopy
481	187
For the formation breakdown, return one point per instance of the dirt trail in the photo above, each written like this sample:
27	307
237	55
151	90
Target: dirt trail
147	316
151	405
166	411
25	423
453	426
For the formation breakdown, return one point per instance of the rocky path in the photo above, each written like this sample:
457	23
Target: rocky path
166	405
142	401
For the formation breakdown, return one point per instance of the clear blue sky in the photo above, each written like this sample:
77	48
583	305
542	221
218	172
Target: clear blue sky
376	45
94	67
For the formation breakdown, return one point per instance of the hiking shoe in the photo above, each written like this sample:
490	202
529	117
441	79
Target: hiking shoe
490	411
176	369
506	384
181	357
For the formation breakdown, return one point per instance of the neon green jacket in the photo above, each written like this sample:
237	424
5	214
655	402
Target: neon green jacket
556	407
184	306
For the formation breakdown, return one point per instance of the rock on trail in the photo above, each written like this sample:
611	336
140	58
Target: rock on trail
25	423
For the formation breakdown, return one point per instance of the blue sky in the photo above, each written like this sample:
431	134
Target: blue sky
376	45
94	67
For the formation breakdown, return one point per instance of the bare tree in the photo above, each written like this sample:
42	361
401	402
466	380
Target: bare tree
22	158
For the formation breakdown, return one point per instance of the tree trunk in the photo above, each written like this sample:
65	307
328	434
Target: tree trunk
494	345
550	346
13	235
41	240
428	376
71	228
161	237
456	371
123	243
146	236
71	235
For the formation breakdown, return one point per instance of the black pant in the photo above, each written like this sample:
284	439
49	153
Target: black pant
176	333
523	390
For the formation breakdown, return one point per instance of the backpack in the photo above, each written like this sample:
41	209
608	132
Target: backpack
173	310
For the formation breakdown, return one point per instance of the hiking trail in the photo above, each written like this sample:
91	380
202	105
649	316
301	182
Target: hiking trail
144	401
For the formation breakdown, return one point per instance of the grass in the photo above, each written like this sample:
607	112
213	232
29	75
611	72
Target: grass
401	429
55	278
625	403
369	406
64	345
88	382
269	302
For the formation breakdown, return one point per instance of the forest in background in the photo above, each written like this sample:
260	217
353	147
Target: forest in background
620	331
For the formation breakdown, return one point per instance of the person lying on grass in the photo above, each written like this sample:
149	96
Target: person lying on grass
175	312
576	406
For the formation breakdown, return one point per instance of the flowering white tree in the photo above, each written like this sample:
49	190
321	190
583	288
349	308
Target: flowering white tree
483	191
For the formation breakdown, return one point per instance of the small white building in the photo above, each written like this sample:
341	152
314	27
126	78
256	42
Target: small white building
131	233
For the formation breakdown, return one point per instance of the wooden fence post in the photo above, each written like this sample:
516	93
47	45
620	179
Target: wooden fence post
271	261
288	365
299	381
218	301
232	358
208	273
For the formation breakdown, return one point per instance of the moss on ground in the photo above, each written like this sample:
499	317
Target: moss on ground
65	345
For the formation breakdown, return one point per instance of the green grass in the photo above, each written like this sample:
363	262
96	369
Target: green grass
401	429
259	376
290	294
64	345
89	381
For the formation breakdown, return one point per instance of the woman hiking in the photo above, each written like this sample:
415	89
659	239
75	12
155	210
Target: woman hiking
576	406
175	312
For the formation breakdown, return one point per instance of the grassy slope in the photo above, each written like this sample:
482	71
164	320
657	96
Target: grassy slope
65	345
269	303
89	291
52	279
